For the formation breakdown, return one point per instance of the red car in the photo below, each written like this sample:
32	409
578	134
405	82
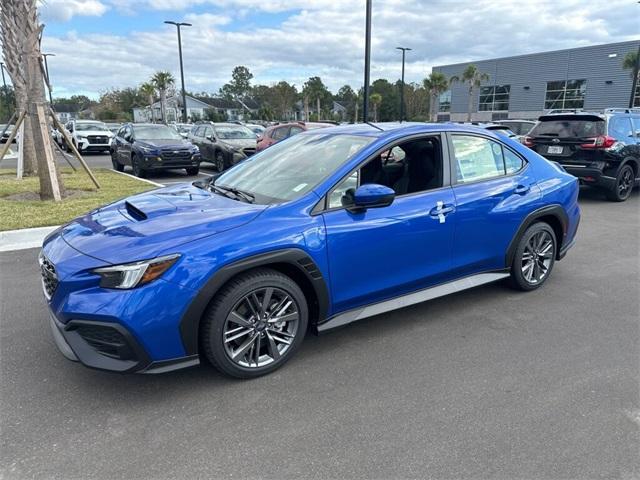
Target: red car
281	131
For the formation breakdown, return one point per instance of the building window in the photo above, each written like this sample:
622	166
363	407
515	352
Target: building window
444	101
636	96
494	98
569	94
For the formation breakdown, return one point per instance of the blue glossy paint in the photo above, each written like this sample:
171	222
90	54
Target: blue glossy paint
419	240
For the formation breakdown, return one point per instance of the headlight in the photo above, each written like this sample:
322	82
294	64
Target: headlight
195	149
132	275
82	137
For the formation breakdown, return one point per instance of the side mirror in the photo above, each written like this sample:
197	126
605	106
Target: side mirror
372	195
211	137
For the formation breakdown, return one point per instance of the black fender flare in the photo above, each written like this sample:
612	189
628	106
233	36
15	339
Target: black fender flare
292	257
551	210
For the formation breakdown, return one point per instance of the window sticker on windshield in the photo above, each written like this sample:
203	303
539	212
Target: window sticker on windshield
299	187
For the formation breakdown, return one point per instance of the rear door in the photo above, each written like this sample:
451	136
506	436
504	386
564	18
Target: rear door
494	190
561	138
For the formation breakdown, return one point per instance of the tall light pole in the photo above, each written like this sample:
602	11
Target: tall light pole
367	61
184	95
46	71
404	50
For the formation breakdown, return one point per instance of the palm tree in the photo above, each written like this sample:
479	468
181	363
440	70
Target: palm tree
376	99
473	78
162	81
630	62
436	84
148	90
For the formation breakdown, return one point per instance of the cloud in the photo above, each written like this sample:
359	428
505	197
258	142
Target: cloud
321	37
65	10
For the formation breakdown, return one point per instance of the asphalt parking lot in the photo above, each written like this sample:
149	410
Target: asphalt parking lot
488	383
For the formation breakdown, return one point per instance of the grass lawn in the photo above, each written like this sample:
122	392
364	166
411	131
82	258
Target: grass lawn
23	210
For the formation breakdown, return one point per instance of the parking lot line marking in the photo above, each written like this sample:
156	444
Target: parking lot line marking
138	178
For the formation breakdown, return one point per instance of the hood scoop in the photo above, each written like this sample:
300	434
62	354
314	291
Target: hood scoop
135	212
144	207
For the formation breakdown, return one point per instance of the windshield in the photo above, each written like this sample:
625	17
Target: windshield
156	132
569	128
85	127
289	169
237	131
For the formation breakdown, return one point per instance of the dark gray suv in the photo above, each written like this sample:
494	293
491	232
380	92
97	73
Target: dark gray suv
601	149
223	144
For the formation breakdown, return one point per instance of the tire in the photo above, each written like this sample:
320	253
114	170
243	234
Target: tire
192	170
138	171
623	186
218	161
117	166
534	257
230	312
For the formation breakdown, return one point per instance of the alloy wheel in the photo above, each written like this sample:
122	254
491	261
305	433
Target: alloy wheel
261	327
219	161
625	183
537	257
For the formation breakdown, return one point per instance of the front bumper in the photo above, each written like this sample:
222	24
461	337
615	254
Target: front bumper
121	331
157	162
110	347
85	146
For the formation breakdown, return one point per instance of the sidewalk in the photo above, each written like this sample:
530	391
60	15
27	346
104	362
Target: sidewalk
24	238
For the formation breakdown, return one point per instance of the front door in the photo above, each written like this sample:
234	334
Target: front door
386	252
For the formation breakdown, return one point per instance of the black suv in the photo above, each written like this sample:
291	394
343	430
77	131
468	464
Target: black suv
601	149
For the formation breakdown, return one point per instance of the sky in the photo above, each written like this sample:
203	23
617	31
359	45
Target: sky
102	44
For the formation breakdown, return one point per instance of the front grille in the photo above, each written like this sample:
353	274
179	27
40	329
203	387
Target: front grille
249	151
98	139
106	340
49	276
176	155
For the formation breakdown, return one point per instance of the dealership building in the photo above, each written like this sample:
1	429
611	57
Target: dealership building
526	86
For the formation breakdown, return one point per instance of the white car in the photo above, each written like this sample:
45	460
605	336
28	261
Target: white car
89	135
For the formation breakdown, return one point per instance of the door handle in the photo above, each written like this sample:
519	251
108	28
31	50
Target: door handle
441	210
521	189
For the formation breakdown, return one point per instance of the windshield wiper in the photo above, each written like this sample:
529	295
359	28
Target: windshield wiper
246	196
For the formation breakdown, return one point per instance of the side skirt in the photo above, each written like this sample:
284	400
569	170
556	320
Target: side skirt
411	299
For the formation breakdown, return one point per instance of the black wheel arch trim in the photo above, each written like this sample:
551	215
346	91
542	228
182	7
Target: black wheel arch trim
294	257
551	210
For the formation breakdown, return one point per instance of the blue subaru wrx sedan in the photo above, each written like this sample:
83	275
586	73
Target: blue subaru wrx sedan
325	228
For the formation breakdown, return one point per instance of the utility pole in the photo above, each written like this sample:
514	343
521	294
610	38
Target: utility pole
4	82
367	60
404	50
46	71
184	95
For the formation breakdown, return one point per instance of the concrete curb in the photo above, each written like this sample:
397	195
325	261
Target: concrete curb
138	178
24	238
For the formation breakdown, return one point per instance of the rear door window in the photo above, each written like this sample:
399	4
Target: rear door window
279	133
620	129
476	158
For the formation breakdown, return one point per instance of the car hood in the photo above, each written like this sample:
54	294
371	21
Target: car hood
169	143
84	133
145	225
240	142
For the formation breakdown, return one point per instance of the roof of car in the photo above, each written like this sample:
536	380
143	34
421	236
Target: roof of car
385	129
